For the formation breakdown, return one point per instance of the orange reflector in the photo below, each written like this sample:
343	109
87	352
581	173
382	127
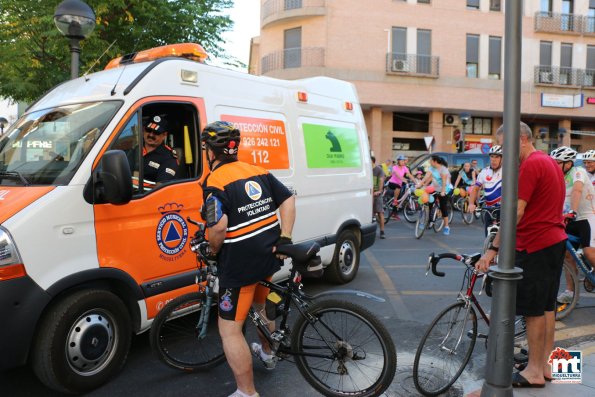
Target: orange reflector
348	106
12	271
190	51
302	96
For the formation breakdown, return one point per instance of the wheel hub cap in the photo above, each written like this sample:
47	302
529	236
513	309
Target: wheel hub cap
90	342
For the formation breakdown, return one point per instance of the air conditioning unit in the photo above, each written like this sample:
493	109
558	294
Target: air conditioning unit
546	77
400	65
451	120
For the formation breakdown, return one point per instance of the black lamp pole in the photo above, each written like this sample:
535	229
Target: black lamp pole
75	20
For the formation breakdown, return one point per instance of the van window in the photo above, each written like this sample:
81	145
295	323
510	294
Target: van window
46	147
166	158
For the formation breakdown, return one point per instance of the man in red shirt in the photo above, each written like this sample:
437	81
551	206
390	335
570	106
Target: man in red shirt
540	247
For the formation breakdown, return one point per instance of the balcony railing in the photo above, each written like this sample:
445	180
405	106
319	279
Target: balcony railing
562	76
564	23
293	58
413	64
272	7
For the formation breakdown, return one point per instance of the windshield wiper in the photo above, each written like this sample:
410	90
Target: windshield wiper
12	174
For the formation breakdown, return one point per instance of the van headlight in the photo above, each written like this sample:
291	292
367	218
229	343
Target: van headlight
11	264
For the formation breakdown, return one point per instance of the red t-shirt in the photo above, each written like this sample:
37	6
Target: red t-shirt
541	185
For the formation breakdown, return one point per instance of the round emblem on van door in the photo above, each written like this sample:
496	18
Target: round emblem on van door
171	233
253	190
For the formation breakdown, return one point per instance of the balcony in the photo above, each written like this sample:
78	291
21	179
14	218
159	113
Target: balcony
413	64
552	22
564	77
293	58
277	10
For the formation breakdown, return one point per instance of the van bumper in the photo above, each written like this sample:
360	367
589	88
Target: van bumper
21	303
368	235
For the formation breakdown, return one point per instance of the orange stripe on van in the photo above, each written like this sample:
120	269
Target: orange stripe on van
252	227
15	198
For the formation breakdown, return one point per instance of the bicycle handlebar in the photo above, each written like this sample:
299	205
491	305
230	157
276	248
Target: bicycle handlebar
433	260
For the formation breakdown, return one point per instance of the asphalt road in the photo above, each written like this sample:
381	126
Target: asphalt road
393	268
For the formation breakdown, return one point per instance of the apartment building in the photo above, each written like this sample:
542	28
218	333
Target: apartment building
419	65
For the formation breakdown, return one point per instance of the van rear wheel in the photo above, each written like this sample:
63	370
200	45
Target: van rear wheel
83	341
345	262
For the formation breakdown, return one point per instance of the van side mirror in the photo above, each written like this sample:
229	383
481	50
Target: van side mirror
111	182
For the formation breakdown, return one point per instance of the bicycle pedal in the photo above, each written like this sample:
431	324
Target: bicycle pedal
479	335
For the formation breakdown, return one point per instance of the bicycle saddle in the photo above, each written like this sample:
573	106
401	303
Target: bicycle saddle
302	252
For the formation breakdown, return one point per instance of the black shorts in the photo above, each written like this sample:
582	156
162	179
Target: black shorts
537	291
394	186
582	230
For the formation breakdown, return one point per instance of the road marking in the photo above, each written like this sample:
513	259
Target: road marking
395	298
563	333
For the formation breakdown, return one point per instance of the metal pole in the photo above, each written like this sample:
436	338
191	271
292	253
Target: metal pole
500	357
75	51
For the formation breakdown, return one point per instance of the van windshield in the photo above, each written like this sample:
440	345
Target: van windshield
46	147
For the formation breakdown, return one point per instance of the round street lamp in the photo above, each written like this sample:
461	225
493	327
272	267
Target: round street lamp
75	20
3	123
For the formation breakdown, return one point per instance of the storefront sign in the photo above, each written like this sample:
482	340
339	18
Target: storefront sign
591	100
562	101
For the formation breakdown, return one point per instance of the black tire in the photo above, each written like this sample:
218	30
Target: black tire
468	217
563	309
411	210
438	220
436	366
83	341
174	335
342	330
345	263
422	221
387	207
588	285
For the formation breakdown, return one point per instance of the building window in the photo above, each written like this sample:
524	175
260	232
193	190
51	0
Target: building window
479	126
546	6
566	64
472	55
495	5
545	62
399	46
473	4
424	1
424	51
413	122
590	19
494	71
292	46
293	4
589	79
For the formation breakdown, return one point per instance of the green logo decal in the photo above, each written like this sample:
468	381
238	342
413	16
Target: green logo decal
331	147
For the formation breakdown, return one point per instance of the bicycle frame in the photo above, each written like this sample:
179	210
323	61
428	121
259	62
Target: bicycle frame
580	260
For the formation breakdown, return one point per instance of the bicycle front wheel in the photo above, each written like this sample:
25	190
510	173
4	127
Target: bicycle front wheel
344	351
445	349
438	220
468	217
566	301
422	221
411	210
176	339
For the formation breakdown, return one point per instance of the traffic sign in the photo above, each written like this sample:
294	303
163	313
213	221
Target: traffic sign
457	135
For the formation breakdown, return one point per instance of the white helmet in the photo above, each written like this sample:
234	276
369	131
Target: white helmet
589	155
563	153
496	149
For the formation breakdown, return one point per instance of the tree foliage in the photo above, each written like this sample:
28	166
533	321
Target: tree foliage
35	56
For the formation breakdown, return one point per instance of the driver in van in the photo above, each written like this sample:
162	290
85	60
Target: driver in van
160	161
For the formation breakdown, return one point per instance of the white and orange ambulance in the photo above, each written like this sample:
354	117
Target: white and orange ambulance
89	252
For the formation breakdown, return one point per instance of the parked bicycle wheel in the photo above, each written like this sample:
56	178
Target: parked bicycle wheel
175	335
344	350
422	221
565	302
411	210
445	349
468	217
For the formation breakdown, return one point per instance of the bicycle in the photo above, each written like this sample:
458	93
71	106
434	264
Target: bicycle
430	217
447	345
407	202
340	348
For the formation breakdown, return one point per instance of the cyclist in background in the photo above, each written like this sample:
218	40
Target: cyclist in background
240	205
490	179
399	173
378	189
579	209
439	177
466	176
589	161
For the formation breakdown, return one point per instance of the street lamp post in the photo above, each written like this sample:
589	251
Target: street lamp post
75	20
465	117
3	123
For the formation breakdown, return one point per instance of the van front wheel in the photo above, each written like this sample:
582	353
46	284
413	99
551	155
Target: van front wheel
83	341
345	262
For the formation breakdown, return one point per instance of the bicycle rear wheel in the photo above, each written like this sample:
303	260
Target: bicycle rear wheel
468	217
387	206
411	210
175	337
565	303
422	221
445	349
344	351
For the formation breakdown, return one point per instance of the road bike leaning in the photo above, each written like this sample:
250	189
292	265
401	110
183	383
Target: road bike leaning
340	348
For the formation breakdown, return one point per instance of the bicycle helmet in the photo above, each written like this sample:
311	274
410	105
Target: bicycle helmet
496	149
589	155
563	153
221	137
